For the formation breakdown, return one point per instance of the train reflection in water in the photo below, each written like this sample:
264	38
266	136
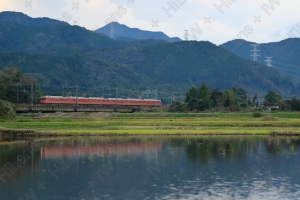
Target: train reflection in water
107	149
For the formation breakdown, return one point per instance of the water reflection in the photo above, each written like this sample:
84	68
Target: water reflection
151	168
96	149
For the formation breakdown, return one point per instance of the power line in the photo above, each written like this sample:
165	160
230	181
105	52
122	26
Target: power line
255	54
287	64
286	69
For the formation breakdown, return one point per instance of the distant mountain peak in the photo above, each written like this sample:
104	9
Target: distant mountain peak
116	30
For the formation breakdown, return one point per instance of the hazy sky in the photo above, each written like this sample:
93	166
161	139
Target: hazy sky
229	19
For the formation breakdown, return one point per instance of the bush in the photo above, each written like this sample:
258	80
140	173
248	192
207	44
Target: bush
257	114
177	106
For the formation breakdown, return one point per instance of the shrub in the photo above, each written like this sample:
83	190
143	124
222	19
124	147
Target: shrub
257	114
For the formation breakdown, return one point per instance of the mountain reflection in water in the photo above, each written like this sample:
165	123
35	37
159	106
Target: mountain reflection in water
248	167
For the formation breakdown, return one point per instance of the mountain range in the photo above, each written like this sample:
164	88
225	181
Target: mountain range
284	54
59	54
25	20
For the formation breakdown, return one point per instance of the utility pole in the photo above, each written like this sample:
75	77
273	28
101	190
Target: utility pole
31	93
247	101
117	96
18	91
155	97
76	95
103	92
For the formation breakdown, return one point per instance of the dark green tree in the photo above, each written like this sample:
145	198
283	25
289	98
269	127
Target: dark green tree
215	98
203	97
295	105
255	98
7	110
229	100
272	99
191	93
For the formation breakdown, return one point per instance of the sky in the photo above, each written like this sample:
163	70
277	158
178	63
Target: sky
217	21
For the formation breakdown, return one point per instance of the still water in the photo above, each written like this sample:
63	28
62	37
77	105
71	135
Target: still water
248	167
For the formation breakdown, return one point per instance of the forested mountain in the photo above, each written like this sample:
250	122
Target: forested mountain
276	49
186	63
41	39
116	30
285	54
25	20
54	38
168	67
52	72
59	55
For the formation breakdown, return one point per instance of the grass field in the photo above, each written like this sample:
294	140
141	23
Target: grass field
157	123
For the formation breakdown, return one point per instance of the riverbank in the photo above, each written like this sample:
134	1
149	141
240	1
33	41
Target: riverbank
67	124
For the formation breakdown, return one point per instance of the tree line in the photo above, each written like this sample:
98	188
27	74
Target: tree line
16	87
234	99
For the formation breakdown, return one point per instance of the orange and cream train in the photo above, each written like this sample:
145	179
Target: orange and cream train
99	101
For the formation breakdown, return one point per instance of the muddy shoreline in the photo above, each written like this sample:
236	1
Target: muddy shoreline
11	133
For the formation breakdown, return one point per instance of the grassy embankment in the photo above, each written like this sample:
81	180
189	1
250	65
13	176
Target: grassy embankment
157	123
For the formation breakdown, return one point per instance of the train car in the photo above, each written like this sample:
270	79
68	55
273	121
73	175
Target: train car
99	101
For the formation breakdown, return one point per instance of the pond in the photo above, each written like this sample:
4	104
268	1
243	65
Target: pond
151	167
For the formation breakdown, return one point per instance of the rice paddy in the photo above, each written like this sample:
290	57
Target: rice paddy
156	123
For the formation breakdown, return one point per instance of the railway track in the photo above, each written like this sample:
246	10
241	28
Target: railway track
23	108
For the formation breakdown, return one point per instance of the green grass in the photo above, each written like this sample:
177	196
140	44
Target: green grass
158	123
